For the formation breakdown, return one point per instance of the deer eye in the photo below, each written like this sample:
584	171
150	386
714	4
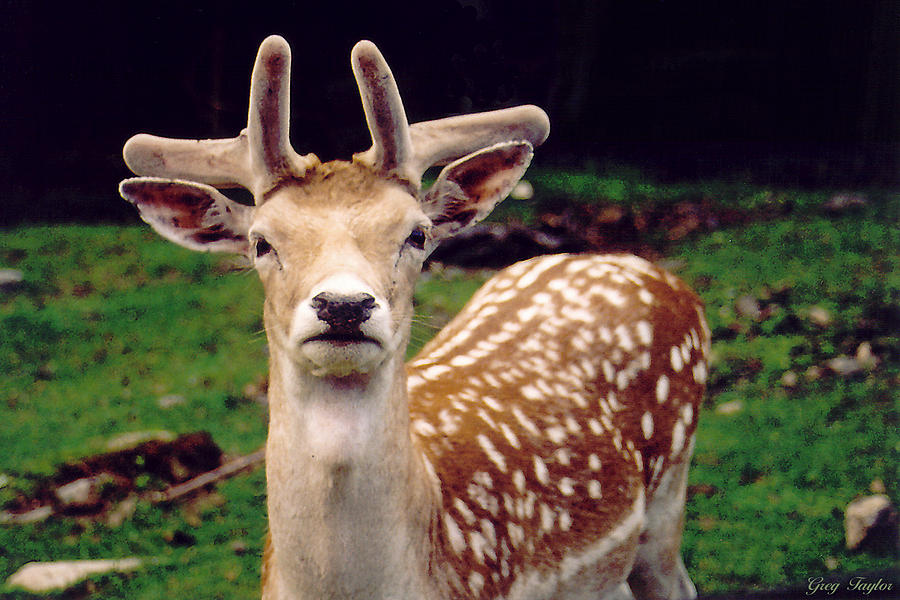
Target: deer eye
416	239
261	247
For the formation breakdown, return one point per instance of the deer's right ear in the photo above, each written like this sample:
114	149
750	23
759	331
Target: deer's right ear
193	215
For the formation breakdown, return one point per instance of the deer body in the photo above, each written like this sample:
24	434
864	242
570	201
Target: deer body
536	448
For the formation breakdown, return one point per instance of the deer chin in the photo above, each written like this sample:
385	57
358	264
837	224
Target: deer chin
331	355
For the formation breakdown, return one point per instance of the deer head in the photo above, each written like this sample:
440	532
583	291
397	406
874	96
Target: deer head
338	245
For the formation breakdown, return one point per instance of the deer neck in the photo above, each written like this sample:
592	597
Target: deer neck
349	501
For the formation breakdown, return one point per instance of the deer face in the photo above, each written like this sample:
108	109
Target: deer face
338	260
338	246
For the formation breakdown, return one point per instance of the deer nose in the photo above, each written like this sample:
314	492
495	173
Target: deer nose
343	312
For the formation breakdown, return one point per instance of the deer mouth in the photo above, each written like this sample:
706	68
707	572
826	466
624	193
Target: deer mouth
342	339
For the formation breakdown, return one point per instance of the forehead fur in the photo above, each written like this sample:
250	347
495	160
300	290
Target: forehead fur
340	182
338	189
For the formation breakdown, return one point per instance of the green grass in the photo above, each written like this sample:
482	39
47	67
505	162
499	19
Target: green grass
111	319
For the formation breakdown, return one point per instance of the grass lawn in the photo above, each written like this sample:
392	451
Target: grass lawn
111	320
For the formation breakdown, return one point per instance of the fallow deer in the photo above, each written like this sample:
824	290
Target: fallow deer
536	448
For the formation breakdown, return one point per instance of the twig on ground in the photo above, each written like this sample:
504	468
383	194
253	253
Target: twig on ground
224	472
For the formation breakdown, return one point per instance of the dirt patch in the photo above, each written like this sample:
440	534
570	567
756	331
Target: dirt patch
92	486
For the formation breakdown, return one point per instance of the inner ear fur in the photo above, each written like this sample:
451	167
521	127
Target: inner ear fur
193	215
467	189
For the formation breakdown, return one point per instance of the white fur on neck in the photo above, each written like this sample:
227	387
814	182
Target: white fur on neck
345	520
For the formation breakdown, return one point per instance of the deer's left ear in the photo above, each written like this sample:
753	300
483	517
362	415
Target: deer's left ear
193	215
468	189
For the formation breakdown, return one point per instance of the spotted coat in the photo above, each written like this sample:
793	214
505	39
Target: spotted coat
549	407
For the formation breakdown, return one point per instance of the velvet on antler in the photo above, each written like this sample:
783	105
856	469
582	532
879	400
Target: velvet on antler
262	156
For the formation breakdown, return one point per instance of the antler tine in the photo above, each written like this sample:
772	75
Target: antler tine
268	123
391	149
222	163
256	159
444	140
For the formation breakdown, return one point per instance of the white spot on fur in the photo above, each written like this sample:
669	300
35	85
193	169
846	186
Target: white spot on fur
510	436
675	357
487	530
540	471
677	438
531	392
700	372
479	546
609	373
423	428
594	462
487	418
644	332
449	424
578	265
516	534
462	361
539	268
645	296
547	518
605	335
483	478
464	511
566	486
625	341
687	413
476	582
611	295
491	381
557	285
657	468
647	425
525	422
594	489
454	534
662	389
613	401
434	372
483	499
519	481
491	403
590	371
492	453
557	434
526	314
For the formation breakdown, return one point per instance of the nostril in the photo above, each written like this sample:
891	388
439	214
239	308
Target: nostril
342	312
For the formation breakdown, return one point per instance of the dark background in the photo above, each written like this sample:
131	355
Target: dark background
777	92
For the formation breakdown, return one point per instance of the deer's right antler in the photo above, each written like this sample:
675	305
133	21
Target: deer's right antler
257	159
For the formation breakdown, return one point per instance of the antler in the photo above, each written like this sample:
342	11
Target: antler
262	155
256	159
408	151
391	144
